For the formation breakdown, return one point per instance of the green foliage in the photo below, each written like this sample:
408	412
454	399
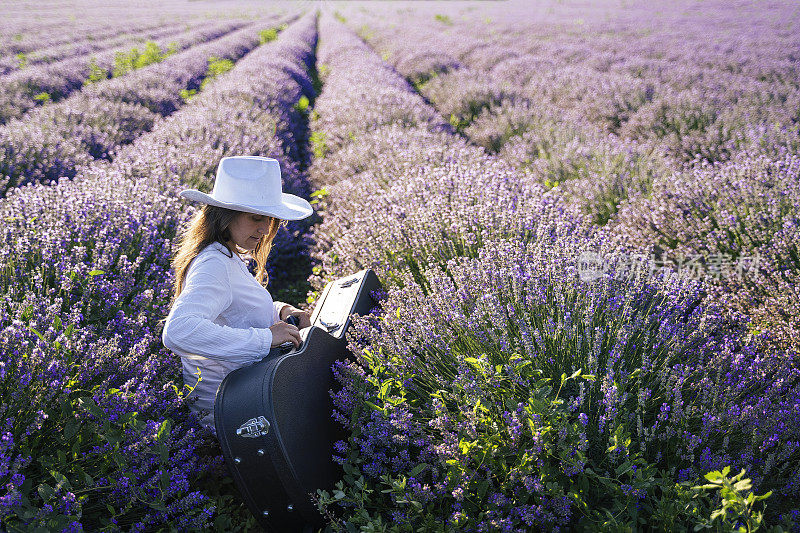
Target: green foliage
684	507
152	54
133	59
302	104
124	62
459	124
339	17
736	511
317	75
22	60
216	67
43	97
469	107
420	80
319	196
365	32
187	94
95	73
230	513
318	144
265	36
444	19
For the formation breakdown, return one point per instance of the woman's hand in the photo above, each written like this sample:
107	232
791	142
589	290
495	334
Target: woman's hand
303	316
284	332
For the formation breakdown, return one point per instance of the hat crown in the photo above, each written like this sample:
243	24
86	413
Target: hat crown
252	184
249	180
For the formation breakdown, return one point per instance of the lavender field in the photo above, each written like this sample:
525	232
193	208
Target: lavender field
585	216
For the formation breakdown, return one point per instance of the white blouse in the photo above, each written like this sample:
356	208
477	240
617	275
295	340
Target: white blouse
219	322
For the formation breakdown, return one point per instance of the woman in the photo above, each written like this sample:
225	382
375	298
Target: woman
222	317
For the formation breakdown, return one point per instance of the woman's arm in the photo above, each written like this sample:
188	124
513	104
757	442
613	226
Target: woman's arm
190	329
279	307
286	310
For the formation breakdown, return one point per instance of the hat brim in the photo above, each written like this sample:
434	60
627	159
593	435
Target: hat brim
291	207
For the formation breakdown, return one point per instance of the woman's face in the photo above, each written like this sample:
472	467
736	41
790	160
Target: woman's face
247	229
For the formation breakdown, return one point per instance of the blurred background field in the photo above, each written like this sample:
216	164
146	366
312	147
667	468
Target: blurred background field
585	216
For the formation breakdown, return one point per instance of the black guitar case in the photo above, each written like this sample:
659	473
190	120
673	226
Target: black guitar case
273	418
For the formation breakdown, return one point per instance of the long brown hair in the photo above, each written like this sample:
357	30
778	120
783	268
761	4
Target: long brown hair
210	224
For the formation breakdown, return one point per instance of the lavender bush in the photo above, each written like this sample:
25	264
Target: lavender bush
500	398
87	388
738	226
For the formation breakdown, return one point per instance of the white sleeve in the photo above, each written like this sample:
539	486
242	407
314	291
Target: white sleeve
278	307
189	328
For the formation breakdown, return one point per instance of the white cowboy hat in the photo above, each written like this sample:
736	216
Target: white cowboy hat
252	184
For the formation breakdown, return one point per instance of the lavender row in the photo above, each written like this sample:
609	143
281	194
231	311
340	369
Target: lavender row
27	28
24	90
487	320
738	228
401	194
81	47
86	265
602	173
689	108
57	140
594	170
717	231
458	381
44	35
